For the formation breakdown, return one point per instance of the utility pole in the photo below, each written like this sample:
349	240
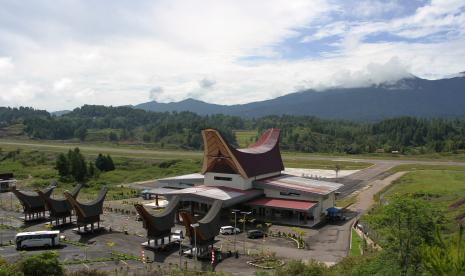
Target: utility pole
195	225
180	251
1	233
243	227
234	211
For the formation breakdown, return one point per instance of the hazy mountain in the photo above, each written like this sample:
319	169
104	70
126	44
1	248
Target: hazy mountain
193	105
410	96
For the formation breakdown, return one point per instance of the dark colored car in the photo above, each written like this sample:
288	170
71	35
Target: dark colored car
255	234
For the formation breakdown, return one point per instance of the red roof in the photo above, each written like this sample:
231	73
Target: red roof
283	203
263	157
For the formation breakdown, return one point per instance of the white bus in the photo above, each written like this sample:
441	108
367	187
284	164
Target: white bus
37	239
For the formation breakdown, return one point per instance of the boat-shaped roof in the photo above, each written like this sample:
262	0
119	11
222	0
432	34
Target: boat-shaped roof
261	158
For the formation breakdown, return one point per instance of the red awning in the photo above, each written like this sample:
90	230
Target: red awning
283	203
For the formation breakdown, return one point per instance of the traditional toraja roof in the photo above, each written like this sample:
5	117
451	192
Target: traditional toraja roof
32	202
287	182
283	203
160	224
91	211
60	207
209	225
263	157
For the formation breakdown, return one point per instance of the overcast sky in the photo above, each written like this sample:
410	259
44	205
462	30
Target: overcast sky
58	55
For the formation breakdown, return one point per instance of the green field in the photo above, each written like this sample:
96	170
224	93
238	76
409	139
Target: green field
356	244
439	187
34	168
422	167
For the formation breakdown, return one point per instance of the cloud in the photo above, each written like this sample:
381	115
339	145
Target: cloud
156	93
62	84
206	83
65	54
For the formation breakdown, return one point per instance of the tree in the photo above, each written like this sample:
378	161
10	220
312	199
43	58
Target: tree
78	165
110	165
112	137
62	165
7	269
46	263
91	171
405	224
445	258
100	162
104	163
81	133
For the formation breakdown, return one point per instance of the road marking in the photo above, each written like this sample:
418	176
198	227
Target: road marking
86	266
124	262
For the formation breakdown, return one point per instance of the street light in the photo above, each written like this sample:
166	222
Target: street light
234	211
243	226
181	238
195	225
1	233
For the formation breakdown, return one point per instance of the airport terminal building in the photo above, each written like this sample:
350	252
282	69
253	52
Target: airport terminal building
249	179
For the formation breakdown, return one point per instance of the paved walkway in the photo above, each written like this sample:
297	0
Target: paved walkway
365	198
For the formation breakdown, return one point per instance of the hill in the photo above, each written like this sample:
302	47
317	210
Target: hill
407	97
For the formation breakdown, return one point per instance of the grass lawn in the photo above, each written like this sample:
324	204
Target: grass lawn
420	167
356	244
439	187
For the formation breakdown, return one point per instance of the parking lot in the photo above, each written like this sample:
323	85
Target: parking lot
123	235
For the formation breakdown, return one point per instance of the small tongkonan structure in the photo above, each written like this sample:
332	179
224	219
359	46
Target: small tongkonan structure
33	205
88	213
158	226
60	208
208	228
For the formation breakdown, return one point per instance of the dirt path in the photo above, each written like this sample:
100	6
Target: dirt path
365	198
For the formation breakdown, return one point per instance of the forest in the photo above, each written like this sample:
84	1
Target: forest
125	124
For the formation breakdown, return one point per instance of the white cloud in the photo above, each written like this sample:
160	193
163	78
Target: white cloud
206	83
62	84
65	54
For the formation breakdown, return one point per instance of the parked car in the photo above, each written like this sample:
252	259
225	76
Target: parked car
177	234
229	230
255	234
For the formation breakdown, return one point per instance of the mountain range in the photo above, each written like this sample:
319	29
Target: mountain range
407	97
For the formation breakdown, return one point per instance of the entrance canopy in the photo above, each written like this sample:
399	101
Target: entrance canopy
279	203
228	196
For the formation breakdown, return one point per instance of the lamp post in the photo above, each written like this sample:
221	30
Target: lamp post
181	238
243	226
1	233
195	225
234	211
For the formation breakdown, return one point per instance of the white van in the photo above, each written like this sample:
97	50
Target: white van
229	230
37	239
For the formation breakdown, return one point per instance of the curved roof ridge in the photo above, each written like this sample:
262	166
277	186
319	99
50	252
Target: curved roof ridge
267	141
261	158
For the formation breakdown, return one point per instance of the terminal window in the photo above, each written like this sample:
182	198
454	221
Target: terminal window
223	178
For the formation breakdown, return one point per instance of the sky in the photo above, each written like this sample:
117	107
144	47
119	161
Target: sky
59	55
